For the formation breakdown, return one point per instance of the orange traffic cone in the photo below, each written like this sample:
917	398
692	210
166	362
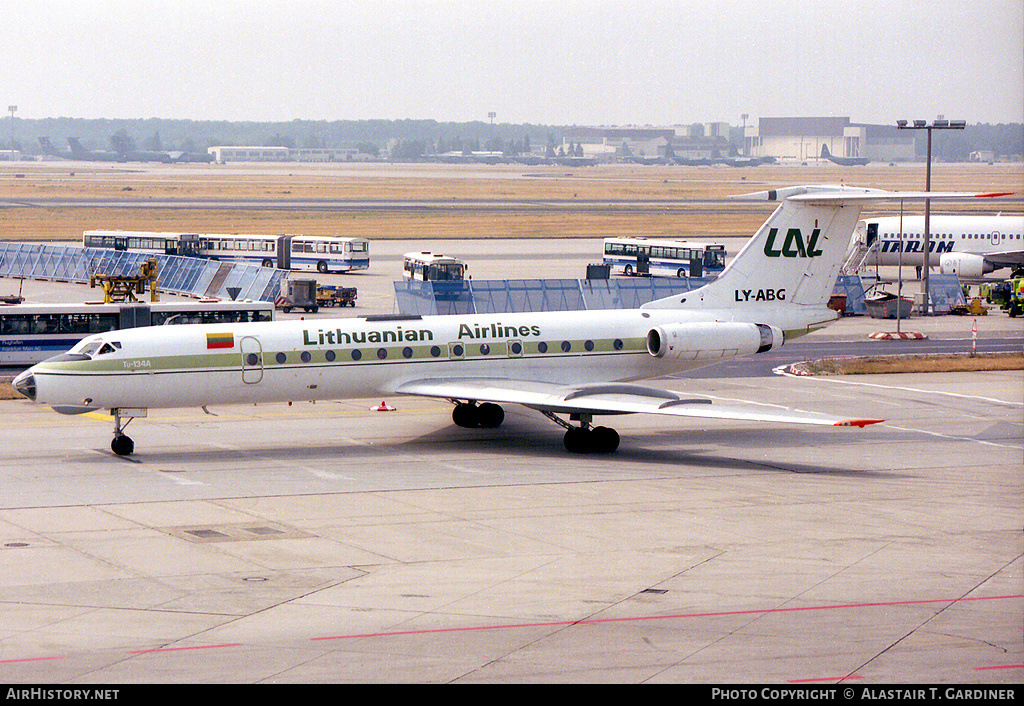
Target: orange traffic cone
382	407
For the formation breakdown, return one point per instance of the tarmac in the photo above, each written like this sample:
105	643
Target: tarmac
328	543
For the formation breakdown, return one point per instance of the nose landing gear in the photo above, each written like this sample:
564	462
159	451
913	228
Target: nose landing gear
122	444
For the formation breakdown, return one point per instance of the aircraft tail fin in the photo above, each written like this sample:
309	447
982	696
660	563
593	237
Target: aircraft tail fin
76	148
795	257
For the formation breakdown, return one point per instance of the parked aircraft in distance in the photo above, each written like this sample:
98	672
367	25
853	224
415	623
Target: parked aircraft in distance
967	245
80	153
843	161
48	150
581	364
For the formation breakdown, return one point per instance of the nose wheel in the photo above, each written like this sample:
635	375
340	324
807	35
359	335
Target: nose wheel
122	445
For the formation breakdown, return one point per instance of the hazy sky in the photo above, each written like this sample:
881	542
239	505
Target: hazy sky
601	62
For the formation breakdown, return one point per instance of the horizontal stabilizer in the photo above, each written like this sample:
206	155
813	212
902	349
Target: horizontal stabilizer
824	194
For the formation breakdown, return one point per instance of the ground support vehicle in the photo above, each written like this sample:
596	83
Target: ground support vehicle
330	295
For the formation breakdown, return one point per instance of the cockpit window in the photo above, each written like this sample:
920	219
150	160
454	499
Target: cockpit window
94	348
89	348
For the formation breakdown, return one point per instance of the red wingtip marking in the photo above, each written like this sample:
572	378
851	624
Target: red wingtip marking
858	422
993	195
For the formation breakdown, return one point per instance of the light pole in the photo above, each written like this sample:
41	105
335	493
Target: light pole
12	109
927	244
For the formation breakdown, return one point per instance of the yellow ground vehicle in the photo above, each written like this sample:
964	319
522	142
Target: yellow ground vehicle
330	295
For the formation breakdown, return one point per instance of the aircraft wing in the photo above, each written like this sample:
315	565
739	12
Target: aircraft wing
1005	258
610	398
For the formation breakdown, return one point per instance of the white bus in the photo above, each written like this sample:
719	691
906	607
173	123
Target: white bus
428	266
667	258
288	252
30	333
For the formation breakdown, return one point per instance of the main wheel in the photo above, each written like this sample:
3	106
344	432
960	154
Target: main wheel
575	441
490	416
601	440
464	415
604	440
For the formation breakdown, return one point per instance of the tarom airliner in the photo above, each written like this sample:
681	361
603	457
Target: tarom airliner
967	245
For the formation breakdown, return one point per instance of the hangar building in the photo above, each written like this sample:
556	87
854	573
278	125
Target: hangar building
802	138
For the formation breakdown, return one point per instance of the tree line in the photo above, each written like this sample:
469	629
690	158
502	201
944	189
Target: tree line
370	136
400	138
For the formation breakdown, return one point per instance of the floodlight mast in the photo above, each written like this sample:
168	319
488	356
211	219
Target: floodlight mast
12	109
939	124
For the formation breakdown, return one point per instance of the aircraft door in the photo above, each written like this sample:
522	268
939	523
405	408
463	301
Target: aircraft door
994	238
252	360
872	235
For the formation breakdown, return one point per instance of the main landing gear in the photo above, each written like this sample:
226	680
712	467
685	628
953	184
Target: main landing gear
586	439
580	439
473	416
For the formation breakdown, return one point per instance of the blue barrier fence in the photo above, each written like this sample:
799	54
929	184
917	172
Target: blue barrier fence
506	296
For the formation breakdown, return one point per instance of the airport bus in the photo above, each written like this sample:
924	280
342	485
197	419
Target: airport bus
30	333
432	267
287	252
667	258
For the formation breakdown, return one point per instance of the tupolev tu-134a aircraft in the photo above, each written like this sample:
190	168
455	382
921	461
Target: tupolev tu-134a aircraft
578	364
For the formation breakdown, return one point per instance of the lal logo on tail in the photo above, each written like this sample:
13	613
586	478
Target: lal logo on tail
793	246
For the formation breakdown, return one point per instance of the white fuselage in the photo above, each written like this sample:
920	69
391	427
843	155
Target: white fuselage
187	366
978	235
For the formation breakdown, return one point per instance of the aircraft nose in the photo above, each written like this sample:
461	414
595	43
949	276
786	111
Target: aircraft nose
25	384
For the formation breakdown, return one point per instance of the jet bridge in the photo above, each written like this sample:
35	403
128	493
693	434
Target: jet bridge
178	275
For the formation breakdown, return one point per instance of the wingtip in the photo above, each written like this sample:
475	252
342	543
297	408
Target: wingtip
858	422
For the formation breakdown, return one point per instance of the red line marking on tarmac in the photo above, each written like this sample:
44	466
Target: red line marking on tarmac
29	659
1001	666
804	681
179	649
598	621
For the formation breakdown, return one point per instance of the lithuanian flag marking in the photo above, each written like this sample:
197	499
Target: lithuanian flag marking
220	340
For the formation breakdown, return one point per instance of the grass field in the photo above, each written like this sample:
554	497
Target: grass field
28	215
914	364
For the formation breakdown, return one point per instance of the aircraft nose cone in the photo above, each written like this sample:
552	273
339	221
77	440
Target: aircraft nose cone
25	384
